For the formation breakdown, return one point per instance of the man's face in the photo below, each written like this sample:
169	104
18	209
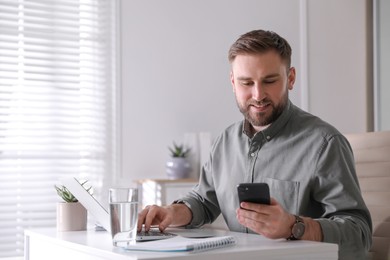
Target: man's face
261	83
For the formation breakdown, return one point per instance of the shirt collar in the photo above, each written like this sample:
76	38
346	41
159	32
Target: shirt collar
274	128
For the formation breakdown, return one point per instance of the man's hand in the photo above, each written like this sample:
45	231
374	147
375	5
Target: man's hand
271	221
175	214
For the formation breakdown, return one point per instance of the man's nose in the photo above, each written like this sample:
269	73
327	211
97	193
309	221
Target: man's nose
258	92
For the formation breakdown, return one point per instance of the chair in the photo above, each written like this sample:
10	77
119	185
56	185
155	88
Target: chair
372	159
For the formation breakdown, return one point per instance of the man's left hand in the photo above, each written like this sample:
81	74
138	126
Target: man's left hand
271	221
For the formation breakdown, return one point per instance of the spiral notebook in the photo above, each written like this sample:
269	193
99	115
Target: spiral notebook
183	244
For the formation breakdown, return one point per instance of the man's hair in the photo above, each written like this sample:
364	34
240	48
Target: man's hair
259	42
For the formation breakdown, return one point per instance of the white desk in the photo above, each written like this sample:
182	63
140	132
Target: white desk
48	244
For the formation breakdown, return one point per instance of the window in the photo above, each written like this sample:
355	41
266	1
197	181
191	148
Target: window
57	106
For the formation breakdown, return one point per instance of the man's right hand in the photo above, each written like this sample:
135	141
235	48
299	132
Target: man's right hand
172	215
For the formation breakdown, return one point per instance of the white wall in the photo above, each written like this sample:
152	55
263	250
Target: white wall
340	76
175	74
383	64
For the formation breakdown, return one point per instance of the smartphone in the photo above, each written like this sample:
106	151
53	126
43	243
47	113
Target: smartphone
254	192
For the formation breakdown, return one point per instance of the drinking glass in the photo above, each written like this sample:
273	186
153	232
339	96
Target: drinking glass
123	215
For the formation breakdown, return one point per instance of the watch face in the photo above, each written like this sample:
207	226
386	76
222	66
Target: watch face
298	230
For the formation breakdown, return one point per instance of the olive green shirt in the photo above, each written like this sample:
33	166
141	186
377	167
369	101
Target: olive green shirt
309	167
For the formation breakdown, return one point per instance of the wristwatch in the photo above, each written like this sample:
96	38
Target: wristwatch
298	229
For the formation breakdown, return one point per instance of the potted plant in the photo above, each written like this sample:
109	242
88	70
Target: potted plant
71	214
177	166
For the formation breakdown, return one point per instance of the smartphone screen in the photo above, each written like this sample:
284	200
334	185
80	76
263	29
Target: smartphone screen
254	192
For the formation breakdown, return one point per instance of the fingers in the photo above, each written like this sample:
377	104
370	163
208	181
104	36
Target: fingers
151	216
141	217
164	224
260	208
252	216
274	202
246	216
147	217
268	220
256	224
154	215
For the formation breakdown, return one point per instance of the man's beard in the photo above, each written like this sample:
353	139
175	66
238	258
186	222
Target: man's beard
261	118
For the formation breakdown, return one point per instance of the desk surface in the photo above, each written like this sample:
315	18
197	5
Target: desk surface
49	244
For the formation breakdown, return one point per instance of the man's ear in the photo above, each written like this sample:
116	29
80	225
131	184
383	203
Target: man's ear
232	80
291	78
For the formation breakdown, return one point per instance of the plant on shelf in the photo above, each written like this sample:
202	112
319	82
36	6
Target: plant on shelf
66	195
178	151
177	166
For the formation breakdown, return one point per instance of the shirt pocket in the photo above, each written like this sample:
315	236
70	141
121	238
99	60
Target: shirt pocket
286	193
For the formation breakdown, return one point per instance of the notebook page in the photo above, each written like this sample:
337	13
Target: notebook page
182	244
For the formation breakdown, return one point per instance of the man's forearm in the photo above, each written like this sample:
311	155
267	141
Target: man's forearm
313	231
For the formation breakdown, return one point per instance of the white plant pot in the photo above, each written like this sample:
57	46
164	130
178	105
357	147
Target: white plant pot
71	216
178	168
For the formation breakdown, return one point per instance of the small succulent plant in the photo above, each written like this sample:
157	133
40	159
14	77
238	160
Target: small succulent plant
178	150
66	195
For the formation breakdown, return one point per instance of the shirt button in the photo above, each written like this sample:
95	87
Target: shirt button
268	137
252	154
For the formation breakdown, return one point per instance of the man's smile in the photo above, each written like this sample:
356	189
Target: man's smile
259	106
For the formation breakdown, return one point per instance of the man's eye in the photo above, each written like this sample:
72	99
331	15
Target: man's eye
246	83
271	81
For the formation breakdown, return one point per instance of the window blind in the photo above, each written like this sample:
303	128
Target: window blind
57	106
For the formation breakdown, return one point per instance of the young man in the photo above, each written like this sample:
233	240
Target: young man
306	162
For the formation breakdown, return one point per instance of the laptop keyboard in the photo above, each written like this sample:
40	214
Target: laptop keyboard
153	235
